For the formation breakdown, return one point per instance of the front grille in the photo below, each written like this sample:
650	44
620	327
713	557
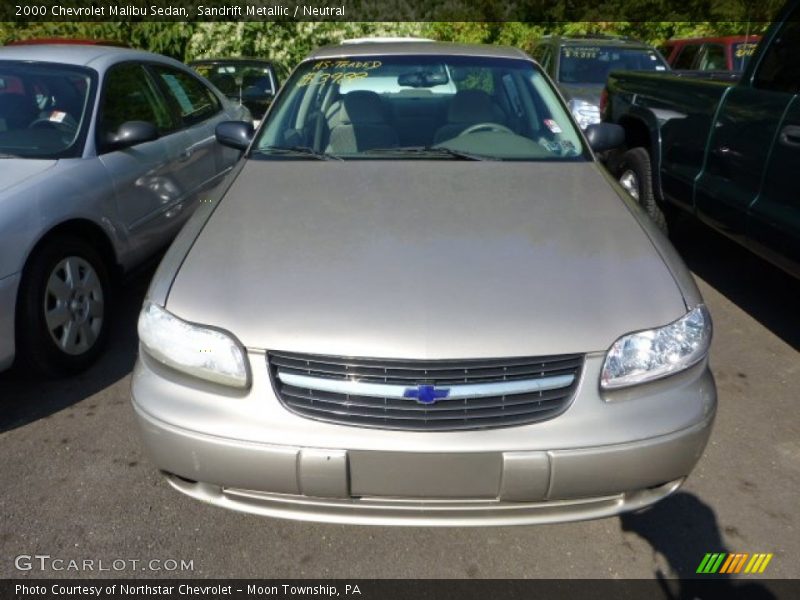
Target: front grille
429	395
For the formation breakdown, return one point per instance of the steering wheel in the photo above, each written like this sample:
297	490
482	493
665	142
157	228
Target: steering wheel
486	127
68	125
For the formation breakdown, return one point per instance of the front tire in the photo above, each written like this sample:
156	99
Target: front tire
635	175
62	313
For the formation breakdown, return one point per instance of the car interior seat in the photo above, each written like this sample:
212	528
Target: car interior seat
16	111
225	83
358	122
467	108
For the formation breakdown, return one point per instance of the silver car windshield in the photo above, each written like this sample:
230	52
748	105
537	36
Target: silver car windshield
42	109
419	107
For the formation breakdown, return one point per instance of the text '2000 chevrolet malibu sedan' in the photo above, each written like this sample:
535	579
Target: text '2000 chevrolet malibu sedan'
420	301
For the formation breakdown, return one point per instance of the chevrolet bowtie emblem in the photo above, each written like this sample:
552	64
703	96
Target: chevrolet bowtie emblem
426	394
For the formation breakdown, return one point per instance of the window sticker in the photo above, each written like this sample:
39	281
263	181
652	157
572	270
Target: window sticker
743	50
585	52
552	125
57	116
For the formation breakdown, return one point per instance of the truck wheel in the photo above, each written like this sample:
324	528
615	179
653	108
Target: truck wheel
62	311
635	174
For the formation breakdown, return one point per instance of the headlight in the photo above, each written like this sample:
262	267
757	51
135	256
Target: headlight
647	355
205	353
585	113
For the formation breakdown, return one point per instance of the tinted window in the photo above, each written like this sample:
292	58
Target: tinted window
742	51
130	95
713	58
194	101
232	78
592	64
686	58
547	59
44	109
780	67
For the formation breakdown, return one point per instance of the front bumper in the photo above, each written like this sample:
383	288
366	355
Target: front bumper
603	456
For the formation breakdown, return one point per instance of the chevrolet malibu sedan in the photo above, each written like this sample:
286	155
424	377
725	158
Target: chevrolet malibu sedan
420	300
104	154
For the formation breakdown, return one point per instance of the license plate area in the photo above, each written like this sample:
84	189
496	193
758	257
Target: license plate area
425	475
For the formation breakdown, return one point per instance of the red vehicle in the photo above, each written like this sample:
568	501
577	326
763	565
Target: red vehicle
728	53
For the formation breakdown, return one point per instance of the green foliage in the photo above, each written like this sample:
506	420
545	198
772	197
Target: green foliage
287	42
162	37
284	42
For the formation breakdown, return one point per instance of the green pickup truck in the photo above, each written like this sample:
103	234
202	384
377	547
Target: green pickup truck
727	153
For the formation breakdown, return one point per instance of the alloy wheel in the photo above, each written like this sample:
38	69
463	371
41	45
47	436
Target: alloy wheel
74	305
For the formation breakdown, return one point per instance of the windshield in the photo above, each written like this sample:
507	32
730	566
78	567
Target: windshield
233	78
418	107
742	52
592	64
43	109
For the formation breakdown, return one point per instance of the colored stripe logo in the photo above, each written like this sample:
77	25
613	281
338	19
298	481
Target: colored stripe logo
737	562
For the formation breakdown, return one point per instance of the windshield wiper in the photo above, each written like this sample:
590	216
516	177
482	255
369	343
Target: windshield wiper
432	151
298	150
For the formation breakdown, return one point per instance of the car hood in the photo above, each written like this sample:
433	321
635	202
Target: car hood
16	170
424	259
589	92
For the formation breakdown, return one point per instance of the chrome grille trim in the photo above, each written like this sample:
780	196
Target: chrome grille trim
482	393
354	387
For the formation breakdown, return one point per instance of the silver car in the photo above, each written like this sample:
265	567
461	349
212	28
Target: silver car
421	301
104	154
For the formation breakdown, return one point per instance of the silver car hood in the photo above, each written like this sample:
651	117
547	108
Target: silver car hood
16	170
424	259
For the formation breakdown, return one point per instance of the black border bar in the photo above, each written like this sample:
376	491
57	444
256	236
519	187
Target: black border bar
708	588
541	11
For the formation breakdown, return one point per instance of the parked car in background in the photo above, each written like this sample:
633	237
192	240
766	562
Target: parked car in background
421	304
104	154
68	41
727	154
249	81
728	53
580	66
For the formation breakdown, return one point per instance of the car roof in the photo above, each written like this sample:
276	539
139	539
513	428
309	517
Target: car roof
406	48
79	41
95	56
725	38
229	60
597	41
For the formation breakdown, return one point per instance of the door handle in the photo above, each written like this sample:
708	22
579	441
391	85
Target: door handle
790	136
185	155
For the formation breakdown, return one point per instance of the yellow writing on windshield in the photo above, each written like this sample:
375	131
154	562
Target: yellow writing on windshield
336	77
743	50
351	65
581	52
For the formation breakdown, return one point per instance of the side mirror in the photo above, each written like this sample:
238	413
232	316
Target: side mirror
131	133
605	136
235	134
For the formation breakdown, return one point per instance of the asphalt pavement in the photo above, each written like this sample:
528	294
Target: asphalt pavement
75	484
